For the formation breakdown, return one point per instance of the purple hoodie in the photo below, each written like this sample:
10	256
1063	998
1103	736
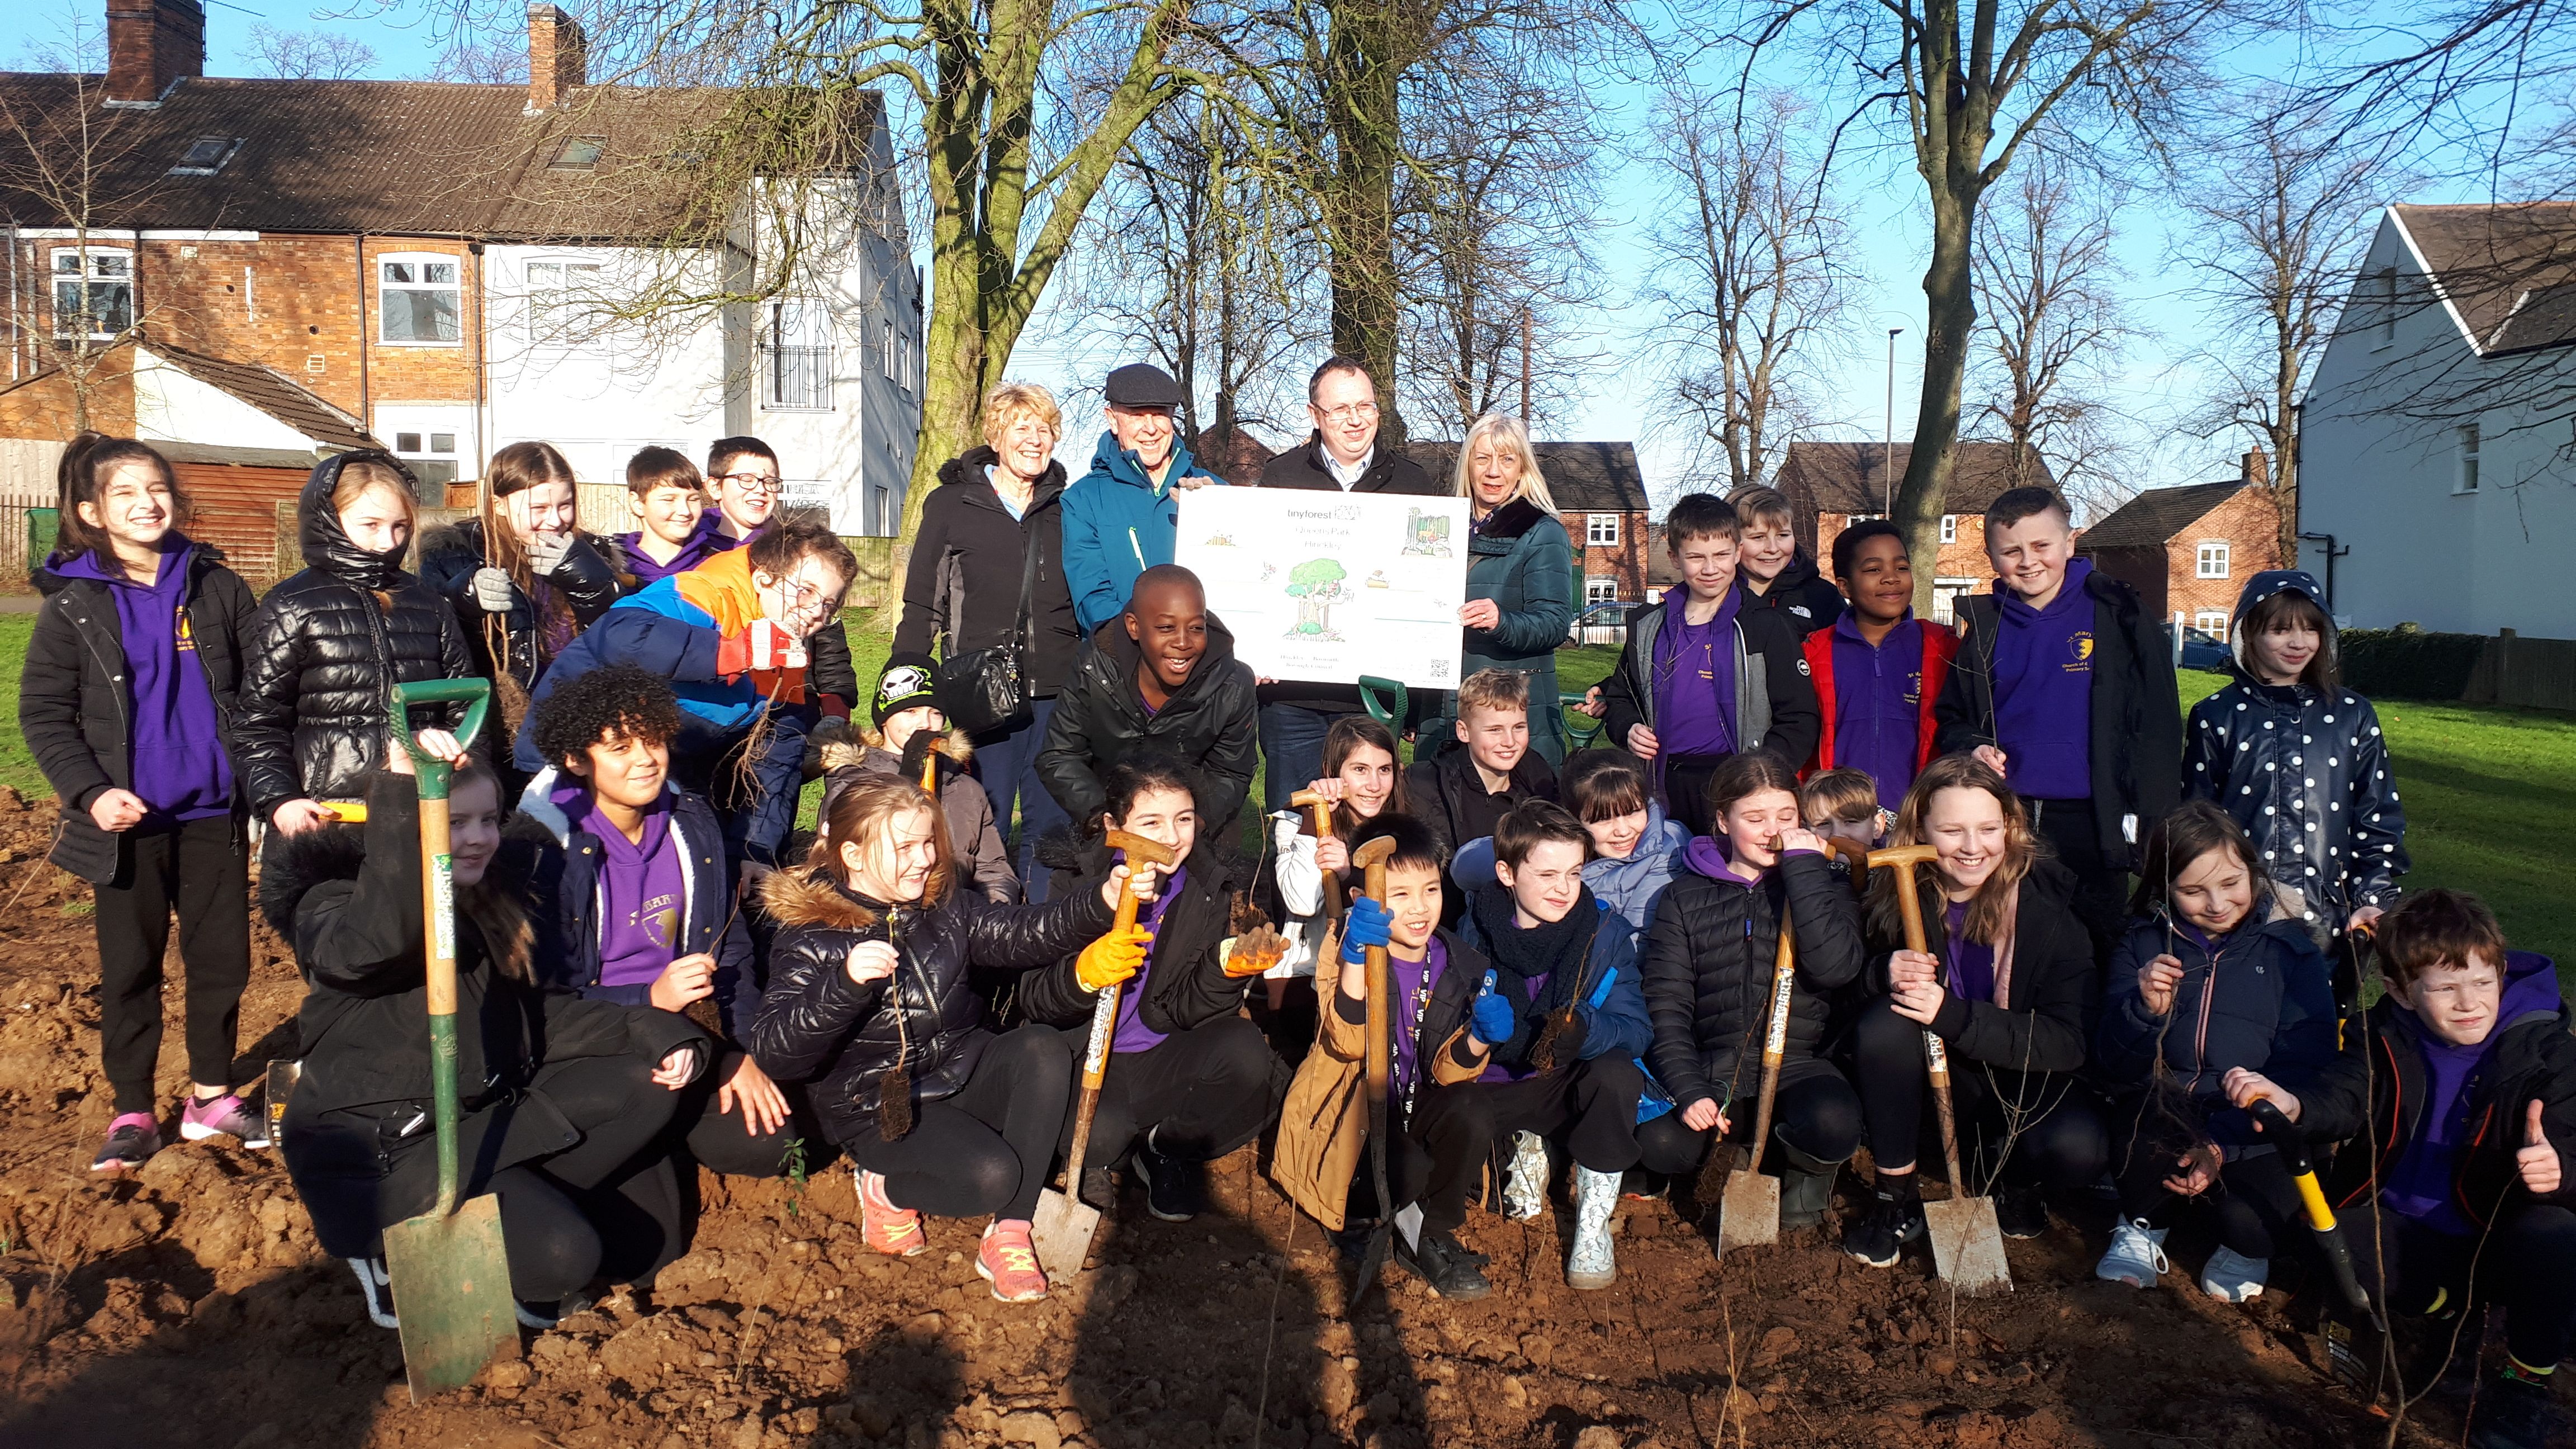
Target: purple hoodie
703	543
2044	689
643	889
174	761
1414	983
1132	1034
2419	1185
1694	674
1878	703
1713	856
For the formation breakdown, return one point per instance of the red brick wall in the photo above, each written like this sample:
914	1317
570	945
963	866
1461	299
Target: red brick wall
1624	561
1964	557
2249	523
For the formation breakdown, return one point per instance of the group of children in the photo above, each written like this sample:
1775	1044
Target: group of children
1583	957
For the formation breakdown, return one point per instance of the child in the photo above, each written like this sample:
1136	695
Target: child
523	578
1843	805
633	884
745	486
1702	676
729	635
1438	1139
128	687
1462	794
1878	670
2205	983
910	735
1123	517
1635	850
1163	676
2065	686
938	1114
2331	833
2462	1084
675	531
328	644
2008	986
1565	1020
1711	958
1775	575
1190	1077
564	1095
1363	780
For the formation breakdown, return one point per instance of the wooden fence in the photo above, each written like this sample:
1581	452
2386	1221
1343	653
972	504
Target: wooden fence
2533	673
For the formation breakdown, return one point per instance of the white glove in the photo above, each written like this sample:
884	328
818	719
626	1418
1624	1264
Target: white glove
547	550
492	591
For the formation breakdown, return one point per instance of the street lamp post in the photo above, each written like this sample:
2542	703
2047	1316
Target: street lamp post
1887	455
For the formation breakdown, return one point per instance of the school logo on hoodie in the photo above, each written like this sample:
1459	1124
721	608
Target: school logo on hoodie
2080	645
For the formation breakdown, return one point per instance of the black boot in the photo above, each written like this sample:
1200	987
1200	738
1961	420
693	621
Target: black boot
1806	1188
1175	1190
1894	1219
1440	1261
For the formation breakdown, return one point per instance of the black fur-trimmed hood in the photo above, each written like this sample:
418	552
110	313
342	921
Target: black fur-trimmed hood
292	865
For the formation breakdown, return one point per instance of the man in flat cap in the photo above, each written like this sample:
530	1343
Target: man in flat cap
1122	517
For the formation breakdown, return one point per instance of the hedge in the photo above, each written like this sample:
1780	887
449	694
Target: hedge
2408	663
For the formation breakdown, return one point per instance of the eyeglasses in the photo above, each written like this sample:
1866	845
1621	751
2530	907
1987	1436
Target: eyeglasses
752	482
1358	412
800	595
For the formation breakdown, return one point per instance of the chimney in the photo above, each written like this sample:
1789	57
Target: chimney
150	45
2258	468
558	57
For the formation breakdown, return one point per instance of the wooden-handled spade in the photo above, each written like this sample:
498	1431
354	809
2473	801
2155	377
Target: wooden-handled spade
1321	810
1967	1241
1378	1065
1749	1214
1061	1231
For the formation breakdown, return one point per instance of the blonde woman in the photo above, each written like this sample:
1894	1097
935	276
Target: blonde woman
993	516
1520	571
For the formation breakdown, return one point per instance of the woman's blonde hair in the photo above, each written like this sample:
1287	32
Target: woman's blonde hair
1011	400
868	809
1985	924
1509	433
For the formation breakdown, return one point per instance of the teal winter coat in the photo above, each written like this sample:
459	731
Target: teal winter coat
1521	559
1117	524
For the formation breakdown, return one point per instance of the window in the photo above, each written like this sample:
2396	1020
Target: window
559	309
886	521
579	153
2212	622
431	456
93	292
1949	528
892	363
1602	529
903	363
2213	559
796	356
418	295
2468	460
206	155
1600	590
2385	285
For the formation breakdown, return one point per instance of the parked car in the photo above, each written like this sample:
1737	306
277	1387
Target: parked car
2201	650
1604	621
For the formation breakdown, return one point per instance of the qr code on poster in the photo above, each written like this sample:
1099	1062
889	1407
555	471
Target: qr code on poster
1440	669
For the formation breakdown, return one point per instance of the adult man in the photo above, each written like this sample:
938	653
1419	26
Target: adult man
1123	517
1342	455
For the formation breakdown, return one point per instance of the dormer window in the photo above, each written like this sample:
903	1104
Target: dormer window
206	155
579	153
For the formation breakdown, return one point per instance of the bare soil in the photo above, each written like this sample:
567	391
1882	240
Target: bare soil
190	1306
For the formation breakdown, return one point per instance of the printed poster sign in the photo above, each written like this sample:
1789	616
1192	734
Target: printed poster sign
1331	586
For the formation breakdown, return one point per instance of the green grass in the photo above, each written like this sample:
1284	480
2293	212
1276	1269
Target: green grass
17	765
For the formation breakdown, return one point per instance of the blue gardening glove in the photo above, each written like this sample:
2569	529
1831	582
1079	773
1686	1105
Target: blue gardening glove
1494	1017
1366	926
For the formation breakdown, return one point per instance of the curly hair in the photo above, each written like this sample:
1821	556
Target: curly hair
605	704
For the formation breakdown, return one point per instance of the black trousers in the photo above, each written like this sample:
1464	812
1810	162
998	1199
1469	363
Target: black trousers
1440	1155
1815	1116
2527	1266
1199	1093
1685	780
990	1147
721	1142
201	872
2044	1129
2101	898
2255	1202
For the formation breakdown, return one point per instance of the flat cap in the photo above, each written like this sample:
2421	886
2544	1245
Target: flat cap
1141	385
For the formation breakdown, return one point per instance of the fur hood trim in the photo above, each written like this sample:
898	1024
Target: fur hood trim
804	897
292	865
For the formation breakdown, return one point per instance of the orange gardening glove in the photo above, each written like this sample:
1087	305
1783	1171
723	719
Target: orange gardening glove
1113	958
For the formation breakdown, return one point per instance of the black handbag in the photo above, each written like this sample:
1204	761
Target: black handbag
985	691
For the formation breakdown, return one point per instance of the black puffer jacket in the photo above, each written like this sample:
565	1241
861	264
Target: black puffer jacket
311	719
1709	959
816	1025
962	587
75	701
584	583
1212	726
1801	597
1186	984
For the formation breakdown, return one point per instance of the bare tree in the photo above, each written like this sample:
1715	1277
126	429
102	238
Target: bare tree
1746	281
2050	325
307	54
2282	213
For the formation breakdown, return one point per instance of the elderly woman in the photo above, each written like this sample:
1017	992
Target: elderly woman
993	518
1520	572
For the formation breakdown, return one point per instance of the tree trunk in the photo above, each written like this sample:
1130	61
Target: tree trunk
1362	68
1951	310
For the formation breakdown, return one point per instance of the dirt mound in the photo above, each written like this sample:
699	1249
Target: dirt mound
190	1306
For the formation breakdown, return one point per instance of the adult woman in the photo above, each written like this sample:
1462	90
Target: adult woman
994	519
522	578
1520	589
870	1000
2010	989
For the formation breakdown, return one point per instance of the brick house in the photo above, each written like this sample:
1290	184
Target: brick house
2189	550
1600	496
1831	486
303	266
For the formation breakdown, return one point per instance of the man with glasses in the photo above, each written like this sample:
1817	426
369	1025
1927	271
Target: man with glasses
1342	456
1123	517
743	479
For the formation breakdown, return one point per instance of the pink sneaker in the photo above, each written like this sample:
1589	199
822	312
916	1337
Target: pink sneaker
225	1116
131	1138
1009	1261
891	1230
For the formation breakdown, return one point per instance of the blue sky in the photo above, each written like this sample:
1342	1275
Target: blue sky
2159	377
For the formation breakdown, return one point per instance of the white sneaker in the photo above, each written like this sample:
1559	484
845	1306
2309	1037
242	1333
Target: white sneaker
1525	1178
2136	1256
2231	1277
1592	1264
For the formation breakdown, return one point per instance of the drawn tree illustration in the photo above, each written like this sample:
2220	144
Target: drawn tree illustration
1315	584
